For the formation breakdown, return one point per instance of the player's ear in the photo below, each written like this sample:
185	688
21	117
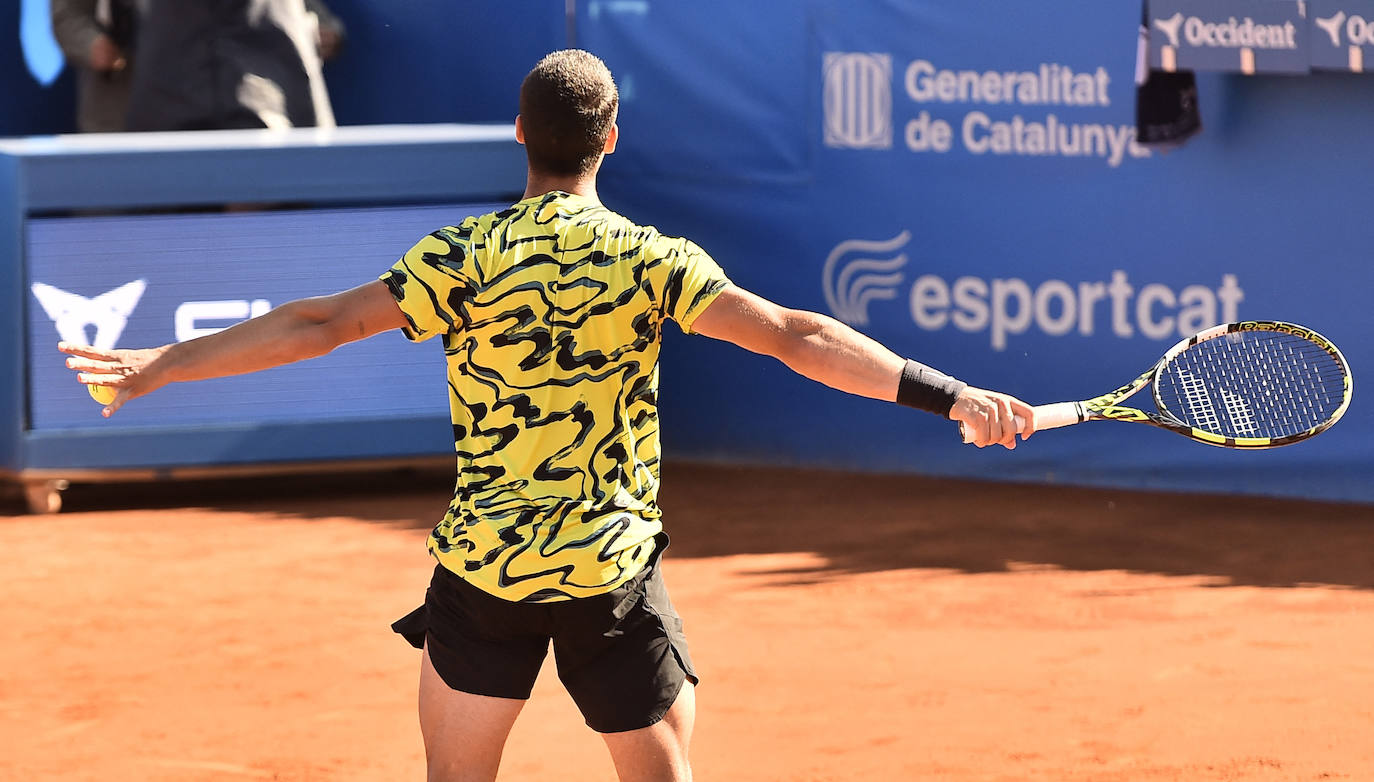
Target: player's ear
611	138
519	130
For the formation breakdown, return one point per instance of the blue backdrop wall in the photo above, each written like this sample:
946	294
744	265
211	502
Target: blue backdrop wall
959	181
871	161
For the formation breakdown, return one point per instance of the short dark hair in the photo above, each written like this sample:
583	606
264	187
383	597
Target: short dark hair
568	104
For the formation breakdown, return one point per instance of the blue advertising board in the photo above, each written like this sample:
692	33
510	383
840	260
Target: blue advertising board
964	185
141	281
1242	36
106	238
1342	34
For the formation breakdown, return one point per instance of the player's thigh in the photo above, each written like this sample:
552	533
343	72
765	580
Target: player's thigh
481	657
659	751
464	734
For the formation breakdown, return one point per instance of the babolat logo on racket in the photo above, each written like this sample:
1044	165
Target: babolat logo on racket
1289	328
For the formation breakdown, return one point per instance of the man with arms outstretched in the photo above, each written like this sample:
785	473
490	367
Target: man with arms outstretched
551	313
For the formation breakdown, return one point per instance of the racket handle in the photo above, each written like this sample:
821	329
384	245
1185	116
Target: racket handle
1050	416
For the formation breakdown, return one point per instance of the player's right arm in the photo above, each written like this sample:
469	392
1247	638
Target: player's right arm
297	330
829	352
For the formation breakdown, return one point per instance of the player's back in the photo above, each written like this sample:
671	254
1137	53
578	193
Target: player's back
552	314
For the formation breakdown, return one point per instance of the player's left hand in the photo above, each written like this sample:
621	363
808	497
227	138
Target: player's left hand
992	417
129	372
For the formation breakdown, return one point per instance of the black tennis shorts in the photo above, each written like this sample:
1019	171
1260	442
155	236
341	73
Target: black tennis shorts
622	656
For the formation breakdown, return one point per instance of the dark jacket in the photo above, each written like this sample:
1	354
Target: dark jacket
102	96
227	64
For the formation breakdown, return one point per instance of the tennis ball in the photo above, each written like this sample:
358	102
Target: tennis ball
102	394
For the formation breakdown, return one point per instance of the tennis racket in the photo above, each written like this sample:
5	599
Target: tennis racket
1253	384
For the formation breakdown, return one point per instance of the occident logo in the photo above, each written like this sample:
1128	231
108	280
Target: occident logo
858	100
1170	27
1231	34
1358	31
858	272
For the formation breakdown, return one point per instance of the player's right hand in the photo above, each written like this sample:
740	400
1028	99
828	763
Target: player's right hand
127	371
991	417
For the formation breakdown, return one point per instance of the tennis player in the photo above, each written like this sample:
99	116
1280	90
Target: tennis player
551	313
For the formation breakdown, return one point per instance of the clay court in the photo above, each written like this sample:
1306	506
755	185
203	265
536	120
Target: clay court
847	628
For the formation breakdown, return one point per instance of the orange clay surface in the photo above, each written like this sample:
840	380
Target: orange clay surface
847	628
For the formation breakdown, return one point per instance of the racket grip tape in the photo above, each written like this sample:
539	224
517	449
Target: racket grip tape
1050	416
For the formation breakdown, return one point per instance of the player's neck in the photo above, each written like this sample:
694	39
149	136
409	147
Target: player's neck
539	184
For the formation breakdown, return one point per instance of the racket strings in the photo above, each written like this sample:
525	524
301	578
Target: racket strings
1198	400
1252	384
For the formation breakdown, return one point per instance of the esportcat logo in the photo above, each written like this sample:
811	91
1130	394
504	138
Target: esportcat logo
105	315
858	272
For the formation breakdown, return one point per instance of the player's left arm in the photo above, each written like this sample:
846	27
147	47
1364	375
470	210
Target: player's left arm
297	330
827	351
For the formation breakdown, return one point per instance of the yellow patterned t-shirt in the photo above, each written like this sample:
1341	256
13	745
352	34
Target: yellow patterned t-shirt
551	313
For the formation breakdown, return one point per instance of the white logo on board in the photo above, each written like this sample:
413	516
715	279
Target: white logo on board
1170	27
1233	33
191	316
1332	26
1358	30
858	100
858	271
107	313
